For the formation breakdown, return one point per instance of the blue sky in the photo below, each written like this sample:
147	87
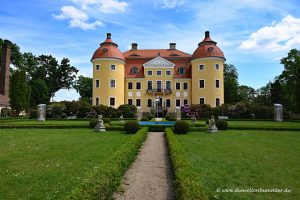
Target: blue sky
253	34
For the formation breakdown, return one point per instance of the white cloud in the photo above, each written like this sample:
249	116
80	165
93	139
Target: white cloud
77	17
280	36
170	3
104	6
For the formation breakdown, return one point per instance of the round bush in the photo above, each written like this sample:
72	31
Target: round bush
106	120
145	119
93	123
222	124
167	118
33	114
150	117
181	127
131	127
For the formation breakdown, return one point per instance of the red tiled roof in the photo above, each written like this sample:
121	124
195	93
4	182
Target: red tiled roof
207	48
108	49
4	100
153	53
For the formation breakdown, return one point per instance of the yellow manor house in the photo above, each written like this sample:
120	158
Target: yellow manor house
158	80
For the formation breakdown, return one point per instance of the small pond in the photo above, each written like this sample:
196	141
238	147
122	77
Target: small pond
157	123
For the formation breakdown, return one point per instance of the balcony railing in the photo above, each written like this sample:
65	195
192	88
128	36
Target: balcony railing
155	90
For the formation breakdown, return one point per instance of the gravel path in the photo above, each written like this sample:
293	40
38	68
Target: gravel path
149	177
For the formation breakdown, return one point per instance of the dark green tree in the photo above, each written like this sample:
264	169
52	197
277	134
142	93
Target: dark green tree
19	93
263	95
276	92
246	93
230	83
39	92
290	77
84	86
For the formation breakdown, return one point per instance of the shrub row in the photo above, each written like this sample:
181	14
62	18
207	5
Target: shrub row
41	126
186	183
106	178
115	128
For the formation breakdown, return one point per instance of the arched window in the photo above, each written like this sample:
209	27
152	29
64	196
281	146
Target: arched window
181	70
134	70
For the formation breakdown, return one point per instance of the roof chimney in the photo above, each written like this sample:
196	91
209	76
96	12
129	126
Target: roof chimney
5	68
206	34
134	46
172	46
108	36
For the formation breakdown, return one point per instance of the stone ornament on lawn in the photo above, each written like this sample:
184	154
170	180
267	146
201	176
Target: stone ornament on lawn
41	112
178	113
278	115
139	114
212	128
100	125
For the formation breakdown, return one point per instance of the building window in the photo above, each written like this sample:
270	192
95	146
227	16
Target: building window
185	102
201	84
97	101
217	101
149	72
97	67
138	102
168	72
129	85
138	85
202	101
134	70
168	103
168	85
149	85
97	83
217	66
181	70
149	104
201	67
177	102
210	49
113	67
158	85
129	101
177	86
112	101
158	72
185	86
217	83
112	83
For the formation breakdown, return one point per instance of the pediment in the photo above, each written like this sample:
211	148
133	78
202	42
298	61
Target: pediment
159	62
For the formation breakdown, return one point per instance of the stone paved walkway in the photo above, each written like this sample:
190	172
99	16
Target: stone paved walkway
149	177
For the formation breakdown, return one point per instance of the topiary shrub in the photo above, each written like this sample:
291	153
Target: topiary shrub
150	117
181	127
93	123
106	120
145	119
131	127
33	114
222	124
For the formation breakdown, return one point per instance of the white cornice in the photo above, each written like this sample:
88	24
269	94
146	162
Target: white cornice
108	59
159	62
208	58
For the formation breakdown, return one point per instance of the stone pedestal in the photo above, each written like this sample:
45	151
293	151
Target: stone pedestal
100	125
278	113
212	128
139	114
41	112
178	113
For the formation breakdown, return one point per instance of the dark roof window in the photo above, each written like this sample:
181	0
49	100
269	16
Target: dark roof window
181	70
134	70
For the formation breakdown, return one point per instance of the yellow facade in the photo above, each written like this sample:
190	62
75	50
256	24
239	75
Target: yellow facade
210	74
105	74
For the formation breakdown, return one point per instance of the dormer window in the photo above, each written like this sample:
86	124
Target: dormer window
134	70
181	70
210	49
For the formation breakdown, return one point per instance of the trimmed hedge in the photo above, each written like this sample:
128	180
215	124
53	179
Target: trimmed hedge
186	181
222	124
115	128
181	127
105	179
131	127
93	123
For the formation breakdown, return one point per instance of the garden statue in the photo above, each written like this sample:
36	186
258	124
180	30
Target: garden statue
139	113
100	125
212	128
178	113
41	112
194	119
121	118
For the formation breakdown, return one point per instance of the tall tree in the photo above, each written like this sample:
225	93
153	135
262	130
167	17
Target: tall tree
19	93
291	77
263	95
230	83
84	86
39	92
246	93
276	92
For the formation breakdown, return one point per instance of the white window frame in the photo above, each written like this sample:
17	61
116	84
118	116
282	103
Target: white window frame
216	66
97	66
136	85
115	67
96	83
187	86
109	101
159	71
131	85
200	100
216	83
151	84
179	86
186	100
110	83
200	84
149	71
148	102
216	101
96	101
161	84
170	84
169	104
176	103
131	101
168	71
140	102
201	69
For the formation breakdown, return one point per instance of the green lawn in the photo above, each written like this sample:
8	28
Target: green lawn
246	159
263	124
49	163
47	122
